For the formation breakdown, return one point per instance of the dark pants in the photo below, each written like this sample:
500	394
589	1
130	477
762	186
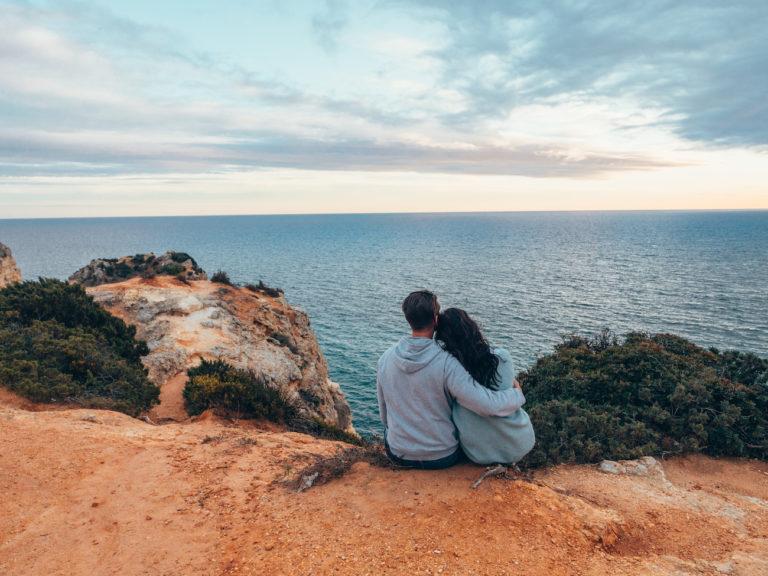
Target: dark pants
438	464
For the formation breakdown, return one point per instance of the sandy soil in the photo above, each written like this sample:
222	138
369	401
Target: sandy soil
95	492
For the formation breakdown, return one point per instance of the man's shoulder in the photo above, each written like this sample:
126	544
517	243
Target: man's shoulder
387	353
449	361
441	354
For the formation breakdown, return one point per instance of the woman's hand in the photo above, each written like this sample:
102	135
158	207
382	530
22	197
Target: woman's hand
516	384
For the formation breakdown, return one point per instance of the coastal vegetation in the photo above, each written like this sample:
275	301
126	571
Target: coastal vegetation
109	270
264	289
60	346
645	395
221	277
219	386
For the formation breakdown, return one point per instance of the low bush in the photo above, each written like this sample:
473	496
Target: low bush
219	386
611	398
264	289
69	305
221	277
216	384
171	269
181	257
58	345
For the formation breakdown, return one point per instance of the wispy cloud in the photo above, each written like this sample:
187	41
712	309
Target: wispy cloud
89	107
700	61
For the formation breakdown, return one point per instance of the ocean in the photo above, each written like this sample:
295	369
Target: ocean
527	277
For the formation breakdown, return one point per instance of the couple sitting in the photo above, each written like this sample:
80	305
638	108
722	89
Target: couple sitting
443	391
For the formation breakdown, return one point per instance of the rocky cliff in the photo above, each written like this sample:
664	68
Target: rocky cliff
184	321
109	270
9	271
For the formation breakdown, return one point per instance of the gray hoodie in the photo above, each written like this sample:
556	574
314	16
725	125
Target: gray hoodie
417	383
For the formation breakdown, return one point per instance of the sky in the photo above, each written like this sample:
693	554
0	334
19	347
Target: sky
175	107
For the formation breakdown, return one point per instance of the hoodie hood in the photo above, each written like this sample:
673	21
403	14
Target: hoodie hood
412	354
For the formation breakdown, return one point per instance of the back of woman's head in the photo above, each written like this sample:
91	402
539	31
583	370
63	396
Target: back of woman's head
459	335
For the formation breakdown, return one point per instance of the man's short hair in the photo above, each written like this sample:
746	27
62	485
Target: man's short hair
420	309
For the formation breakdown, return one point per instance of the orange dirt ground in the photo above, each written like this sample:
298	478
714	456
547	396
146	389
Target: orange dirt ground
98	493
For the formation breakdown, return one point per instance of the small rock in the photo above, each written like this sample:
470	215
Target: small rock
611	467
646	466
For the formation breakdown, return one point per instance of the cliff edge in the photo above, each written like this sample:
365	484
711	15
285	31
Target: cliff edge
184	320
9	271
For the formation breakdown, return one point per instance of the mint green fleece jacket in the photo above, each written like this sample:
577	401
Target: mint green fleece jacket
495	439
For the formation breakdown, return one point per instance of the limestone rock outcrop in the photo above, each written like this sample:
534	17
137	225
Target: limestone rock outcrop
9	271
183	321
645	466
110	270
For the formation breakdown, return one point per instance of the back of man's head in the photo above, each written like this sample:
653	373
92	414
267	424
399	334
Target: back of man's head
420	309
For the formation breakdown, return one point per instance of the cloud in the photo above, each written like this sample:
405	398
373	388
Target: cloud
83	91
120	153
701	61
329	23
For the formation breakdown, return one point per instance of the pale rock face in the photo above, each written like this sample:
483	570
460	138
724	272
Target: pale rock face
184	322
646	466
9	271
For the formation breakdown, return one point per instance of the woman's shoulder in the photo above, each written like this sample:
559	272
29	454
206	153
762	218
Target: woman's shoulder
503	354
506	369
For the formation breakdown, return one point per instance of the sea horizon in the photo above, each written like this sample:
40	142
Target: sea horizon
395	213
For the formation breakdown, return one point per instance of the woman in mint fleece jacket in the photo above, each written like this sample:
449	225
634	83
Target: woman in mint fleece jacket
484	439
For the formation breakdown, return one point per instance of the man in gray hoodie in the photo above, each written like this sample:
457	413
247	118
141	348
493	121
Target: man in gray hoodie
417	382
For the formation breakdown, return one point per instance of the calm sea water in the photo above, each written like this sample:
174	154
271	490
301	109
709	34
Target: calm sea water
528	277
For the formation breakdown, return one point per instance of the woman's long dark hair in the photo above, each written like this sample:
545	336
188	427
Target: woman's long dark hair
459	335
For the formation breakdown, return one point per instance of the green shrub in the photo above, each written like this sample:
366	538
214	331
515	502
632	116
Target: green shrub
221	277
172	269
181	257
244	394
122	270
614	398
216	384
60	346
263	288
69	305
